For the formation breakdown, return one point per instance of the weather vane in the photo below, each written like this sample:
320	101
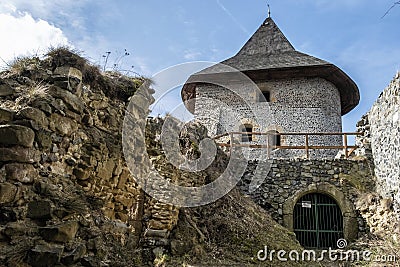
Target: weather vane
269	11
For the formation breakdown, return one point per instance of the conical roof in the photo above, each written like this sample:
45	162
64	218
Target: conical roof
268	48
269	55
268	39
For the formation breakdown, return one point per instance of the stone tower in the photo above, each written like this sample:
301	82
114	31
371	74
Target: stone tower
298	93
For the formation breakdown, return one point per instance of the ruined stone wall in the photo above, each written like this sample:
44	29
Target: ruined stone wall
383	126
297	105
66	193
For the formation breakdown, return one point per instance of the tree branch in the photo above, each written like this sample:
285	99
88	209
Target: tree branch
387	12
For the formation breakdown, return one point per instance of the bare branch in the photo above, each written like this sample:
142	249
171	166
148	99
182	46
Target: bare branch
387	12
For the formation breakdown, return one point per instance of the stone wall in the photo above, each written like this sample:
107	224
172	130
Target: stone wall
66	193
384	126
297	105
288	180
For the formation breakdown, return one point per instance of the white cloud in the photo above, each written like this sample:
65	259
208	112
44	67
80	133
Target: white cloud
7	7
63	13
45	8
22	34
192	55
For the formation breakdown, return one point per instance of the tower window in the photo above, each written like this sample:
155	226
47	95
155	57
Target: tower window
274	140
247	136
265	97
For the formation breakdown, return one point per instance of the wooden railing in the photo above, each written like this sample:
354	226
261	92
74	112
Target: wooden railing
348	149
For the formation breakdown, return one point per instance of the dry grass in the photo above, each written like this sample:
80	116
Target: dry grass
230	232
114	85
36	90
18	253
63	55
22	64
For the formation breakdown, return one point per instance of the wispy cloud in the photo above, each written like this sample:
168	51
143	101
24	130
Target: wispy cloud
237	22
192	54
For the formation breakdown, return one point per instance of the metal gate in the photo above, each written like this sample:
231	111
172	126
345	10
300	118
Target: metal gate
318	221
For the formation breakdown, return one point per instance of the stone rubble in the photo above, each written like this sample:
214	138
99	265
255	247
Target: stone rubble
66	194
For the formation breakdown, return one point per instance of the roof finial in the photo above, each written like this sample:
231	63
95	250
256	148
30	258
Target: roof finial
269	11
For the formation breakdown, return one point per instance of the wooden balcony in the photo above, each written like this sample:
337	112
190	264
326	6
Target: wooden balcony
348	149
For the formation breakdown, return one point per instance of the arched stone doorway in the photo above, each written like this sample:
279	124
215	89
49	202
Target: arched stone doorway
350	225
317	221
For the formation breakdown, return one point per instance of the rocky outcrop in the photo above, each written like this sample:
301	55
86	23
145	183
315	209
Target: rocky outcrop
379	144
66	194
379	215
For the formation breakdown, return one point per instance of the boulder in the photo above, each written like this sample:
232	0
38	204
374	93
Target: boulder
33	114
16	135
45	255
68	78
7	215
82	174
60	233
122	179
6	90
179	248
62	125
43	104
19	154
156	233
7	193
105	170
126	201
6	115
90	261
71	100
24	173
40	210
20	228
74	256
43	138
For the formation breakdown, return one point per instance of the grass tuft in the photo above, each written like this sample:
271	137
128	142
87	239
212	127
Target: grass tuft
23	64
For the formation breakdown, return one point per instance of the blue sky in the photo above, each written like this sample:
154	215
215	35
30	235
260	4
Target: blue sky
159	34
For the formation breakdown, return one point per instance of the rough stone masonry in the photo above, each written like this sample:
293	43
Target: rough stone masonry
382	124
66	194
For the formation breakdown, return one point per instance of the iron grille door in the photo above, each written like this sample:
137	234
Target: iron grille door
317	221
